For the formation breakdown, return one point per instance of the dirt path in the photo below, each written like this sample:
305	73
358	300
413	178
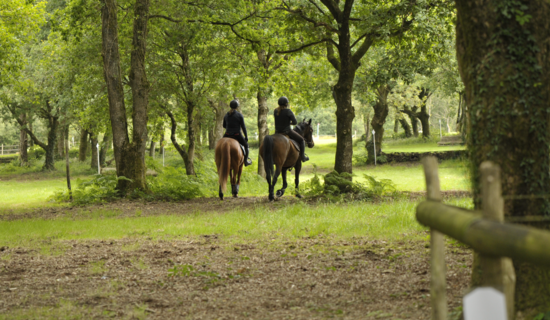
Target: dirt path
307	279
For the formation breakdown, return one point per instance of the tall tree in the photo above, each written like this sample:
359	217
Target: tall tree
503	52
349	29
129	155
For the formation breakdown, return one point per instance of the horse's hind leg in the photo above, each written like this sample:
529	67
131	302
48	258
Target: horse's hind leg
234	185
220	193
281	191
297	179
274	182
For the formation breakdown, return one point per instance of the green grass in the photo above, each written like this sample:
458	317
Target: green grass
30	187
27	194
388	220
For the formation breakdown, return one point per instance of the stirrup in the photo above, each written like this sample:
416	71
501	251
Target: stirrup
247	162
305	158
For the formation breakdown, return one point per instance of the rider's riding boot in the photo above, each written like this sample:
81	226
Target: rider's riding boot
303	151
247	160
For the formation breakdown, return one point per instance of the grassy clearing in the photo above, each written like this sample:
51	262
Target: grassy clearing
388	220
28	194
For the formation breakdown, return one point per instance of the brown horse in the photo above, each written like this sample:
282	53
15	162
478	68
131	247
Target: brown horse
277	149
229	160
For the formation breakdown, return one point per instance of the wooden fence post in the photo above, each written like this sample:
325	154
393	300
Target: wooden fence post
497	272
438	284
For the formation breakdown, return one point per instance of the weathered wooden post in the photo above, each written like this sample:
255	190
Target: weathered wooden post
438	285
496	272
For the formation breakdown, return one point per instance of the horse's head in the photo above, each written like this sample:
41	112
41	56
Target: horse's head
307	132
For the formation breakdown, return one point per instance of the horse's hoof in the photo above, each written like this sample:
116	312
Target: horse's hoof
235	196
271	197
221	196
280	193
299	196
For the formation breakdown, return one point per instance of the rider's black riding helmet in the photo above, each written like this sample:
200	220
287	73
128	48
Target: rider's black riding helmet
283	101
234	104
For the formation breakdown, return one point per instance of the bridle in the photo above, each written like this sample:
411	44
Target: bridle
299	129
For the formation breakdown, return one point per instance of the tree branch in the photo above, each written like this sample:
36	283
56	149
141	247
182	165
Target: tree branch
332	58
305	46
365	46
334	9
315	23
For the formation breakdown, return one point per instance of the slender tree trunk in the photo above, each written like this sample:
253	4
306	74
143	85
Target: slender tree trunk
49	162
61	142
366	124
152	147
93	142
31	141
381	110
406	127
396	126
23	142
189	165
263	131
67	163
83	146
161	140
105	144
504	62
217	131
186	155
423	115
448	125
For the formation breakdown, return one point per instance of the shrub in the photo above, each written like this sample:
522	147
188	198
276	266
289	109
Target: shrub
175	184
100	188
36	152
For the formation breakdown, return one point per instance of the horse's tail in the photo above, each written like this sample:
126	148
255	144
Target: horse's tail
268	155
225	165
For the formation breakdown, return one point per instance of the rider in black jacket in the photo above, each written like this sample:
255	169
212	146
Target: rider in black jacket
284	117
233	122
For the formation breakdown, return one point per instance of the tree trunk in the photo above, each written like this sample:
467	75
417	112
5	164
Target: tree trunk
49	162
83	146
263	131
186	155
378	120
504	62
413	115
406	127
152	148
31	141
161	140
107	141
448	125
23	142
93	142
61	142
345	113
189	166
423	115
396	126
366	124
217	131
129	157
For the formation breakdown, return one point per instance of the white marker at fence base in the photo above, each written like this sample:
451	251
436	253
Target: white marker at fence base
440	134
374	144
98	167
485	303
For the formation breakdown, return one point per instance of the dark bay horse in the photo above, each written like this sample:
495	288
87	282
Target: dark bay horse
229	161
279	151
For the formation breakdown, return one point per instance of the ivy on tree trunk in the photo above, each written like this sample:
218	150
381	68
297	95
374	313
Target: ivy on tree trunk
504	61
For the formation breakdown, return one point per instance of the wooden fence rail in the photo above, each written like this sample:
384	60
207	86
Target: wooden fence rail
7	149
486	236
484	230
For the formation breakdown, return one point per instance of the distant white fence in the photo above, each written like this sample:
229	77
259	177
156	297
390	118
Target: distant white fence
7	149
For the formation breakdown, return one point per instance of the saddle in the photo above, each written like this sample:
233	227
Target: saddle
296	145
243	149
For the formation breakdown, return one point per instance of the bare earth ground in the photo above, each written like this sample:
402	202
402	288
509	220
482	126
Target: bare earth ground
311	278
